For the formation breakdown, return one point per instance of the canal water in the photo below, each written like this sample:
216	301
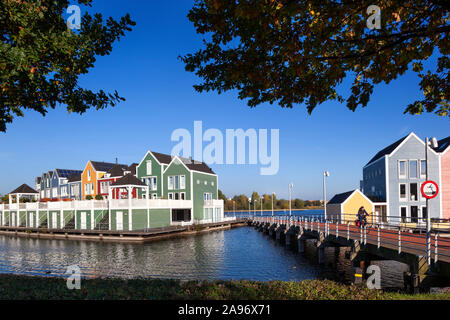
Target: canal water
239	253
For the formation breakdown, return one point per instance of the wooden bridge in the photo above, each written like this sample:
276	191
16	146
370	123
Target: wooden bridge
365	244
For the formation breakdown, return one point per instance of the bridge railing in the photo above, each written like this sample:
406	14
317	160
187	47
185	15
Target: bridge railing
394	234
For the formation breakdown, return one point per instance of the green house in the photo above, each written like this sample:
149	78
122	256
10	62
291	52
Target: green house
177	178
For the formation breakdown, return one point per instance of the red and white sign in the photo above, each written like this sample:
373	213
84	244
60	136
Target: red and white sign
429	189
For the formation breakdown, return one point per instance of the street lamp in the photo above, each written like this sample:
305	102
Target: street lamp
291	185
249	206
325	174
261	206
273	194
434	144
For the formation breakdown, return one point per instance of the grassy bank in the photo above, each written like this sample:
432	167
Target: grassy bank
22	287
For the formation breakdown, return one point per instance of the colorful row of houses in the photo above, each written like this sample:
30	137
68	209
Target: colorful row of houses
159	191
391	184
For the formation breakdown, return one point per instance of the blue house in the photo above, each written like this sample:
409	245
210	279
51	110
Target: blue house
55	183
393	177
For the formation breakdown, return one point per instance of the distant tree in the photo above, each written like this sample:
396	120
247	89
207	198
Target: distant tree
290	52
5	198
41	60
299	204
222	196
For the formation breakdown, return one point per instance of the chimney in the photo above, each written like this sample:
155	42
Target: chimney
117	161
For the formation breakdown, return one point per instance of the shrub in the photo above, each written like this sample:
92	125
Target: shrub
98	197
89	197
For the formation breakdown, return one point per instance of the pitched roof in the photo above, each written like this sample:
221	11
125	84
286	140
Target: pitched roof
24	189
191	164
74	177
104	166
66	173
132	168
386	150
38	179
443	144
341	197
162	158
128	180
117	170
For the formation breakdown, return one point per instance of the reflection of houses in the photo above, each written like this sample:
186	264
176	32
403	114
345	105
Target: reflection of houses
393	177
343	207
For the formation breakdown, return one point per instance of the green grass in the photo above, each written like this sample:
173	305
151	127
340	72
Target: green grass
23	287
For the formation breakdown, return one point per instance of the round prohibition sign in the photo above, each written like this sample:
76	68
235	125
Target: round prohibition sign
429	189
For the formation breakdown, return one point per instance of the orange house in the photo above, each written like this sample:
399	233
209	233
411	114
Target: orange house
93	171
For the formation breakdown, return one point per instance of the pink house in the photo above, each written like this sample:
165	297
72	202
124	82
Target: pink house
444	152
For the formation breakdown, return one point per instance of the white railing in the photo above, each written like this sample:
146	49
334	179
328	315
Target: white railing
213	203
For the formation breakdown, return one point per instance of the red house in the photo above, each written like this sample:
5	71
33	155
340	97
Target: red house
111	176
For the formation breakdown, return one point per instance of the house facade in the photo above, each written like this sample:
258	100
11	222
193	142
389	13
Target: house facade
112	175
393	177
93	171
343	207
444	154
176	178
54	184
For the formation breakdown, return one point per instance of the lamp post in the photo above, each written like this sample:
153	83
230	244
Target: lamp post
291	185
261	206
273	194
325	174
234	209
434	144
249	206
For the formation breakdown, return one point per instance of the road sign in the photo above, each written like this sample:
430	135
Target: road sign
429	189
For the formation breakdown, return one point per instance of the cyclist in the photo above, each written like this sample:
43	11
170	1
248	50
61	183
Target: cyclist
362	216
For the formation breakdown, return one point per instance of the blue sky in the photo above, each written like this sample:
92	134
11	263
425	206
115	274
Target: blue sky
145	69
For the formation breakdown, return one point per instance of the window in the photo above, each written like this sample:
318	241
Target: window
170	183
212	183
207	196
402	169
153	183
198	181
403	213
182	182
149	167
403	192
177	182
424	213
154	195
414	213
413	169
423	168
413	192
183	195
177	196
89	175
170	196
206	182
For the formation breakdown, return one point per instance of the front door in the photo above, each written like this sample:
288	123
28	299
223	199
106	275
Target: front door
119	220
83	220
54	220
31	220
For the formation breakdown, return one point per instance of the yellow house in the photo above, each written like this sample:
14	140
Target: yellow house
345	206
93	171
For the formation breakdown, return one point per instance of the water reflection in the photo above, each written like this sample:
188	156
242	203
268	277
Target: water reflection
241	253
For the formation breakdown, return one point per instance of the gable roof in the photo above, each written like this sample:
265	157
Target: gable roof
189	163
104	166
74	177
117	170
38	179
388	150
24	189
340	197
66	173
443	144
128	180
